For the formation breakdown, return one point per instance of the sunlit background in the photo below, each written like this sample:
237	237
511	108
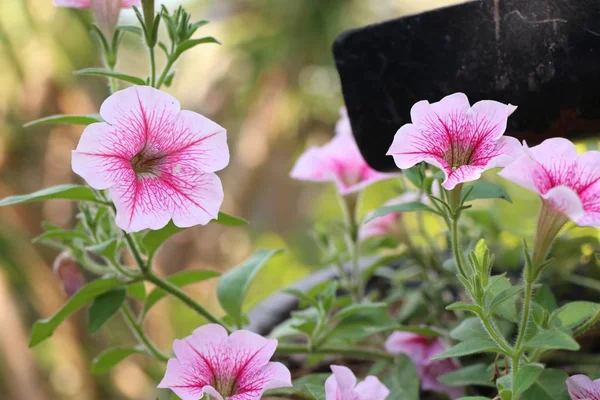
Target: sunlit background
272	84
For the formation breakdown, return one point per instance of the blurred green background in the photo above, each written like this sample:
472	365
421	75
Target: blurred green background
272	84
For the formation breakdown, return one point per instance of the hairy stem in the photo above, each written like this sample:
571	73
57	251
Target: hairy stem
524	316
141	336
181	295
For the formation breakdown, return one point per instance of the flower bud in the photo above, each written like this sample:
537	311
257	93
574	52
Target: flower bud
67	270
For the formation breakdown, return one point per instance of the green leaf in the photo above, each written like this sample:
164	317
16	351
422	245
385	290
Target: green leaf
526	377
104	307
471	346
402	380
85	119
70	192
469	328
507	309
106	360
136	30
188	44
229	220
552	339
477	374
545	298
180	279
353	309
111	74
62	236
503	296
105	249
550	385
404	207
44	328
573	314
474	398
137	291
460	305
233	286
486	190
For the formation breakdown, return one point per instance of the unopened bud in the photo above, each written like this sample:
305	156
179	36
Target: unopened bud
106	13
69	274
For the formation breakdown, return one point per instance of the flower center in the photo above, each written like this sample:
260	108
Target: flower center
225	387
144	164
458	155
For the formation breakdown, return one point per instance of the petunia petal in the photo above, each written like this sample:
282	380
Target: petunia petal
199	141
331	388
130	3
582	388
489	119
505	151
141	109
411	146
464	173
566	200
212	392
150	201
181	380
371	389
279	376
251	349
344	377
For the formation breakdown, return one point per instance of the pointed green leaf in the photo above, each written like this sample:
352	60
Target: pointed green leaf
573	314
402	380
550	385
229	220
86	119
460	305
526	377
471	346
552	339
545	298
404	207
107	73
233	286
506	294
70	192
44	328
352	309
106	360
137	291
507	308
486	190
61	235
180	279
188	44
104	307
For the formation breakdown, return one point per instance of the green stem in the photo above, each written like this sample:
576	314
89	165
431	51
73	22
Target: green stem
141	336
524	316
515	371
495	335
165	72
181	295
152	66
135	252
456	248
353	352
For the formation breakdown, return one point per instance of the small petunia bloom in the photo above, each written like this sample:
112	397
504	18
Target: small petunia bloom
421	349
461	140
68	272
106	12
583	388
566	181
388	224
157	160
338	161
342	386
234	367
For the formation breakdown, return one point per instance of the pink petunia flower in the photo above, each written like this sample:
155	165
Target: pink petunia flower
583	388
234	367
461	140
338	161
157	161
566	182
420	349
105	11
387	224
342	386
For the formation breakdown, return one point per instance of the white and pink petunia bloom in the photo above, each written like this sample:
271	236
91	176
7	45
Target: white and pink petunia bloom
338	161
387	224
461	140
567	182
583	388
421	349
234	367
342	386
106	12
157	160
